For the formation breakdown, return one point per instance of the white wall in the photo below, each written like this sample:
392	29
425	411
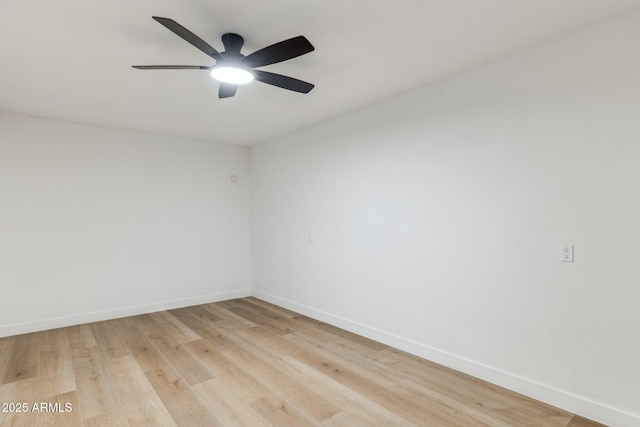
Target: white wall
98	223
437	220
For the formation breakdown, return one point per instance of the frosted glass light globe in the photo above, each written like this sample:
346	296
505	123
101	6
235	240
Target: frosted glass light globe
232	75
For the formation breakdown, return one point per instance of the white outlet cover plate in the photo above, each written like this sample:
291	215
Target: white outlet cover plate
567	253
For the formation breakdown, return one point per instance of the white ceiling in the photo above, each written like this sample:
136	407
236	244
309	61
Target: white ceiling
71	59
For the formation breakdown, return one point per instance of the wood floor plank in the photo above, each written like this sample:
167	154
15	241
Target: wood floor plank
360	383
81	337
265	348
226	304
365	363
56	367
112	419
137	398
307	329
280	413
228	319
450	409
499	411
109	340
56	373
230	408
354	362
578	421
305	399
173	327
358	406
261	310
201	313
24	359
206	328
357	371
279	322
56	339
259	319
57	413
280	310
95	392
294	325
6	346
181	359
476	393
146	324
374	345
246	338
240	381
141	347
344	419
23	391
185	406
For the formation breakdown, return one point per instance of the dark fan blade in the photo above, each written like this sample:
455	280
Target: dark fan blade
227	90
282	81
189	36
279	52
171	67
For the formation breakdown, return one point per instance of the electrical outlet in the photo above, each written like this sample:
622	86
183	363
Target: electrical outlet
567	253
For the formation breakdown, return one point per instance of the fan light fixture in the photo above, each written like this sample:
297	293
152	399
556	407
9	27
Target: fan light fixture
232	68
232	75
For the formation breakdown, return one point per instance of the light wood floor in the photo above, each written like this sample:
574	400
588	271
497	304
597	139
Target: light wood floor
242	362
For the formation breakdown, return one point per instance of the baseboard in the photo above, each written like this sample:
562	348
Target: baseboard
562	399
78	319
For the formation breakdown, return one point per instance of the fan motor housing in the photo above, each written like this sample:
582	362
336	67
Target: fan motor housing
233	44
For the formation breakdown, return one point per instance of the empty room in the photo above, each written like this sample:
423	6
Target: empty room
296	213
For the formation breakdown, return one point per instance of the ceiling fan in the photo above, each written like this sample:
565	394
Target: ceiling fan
233	68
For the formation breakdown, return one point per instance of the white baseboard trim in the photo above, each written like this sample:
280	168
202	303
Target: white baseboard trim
562	399
78	319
